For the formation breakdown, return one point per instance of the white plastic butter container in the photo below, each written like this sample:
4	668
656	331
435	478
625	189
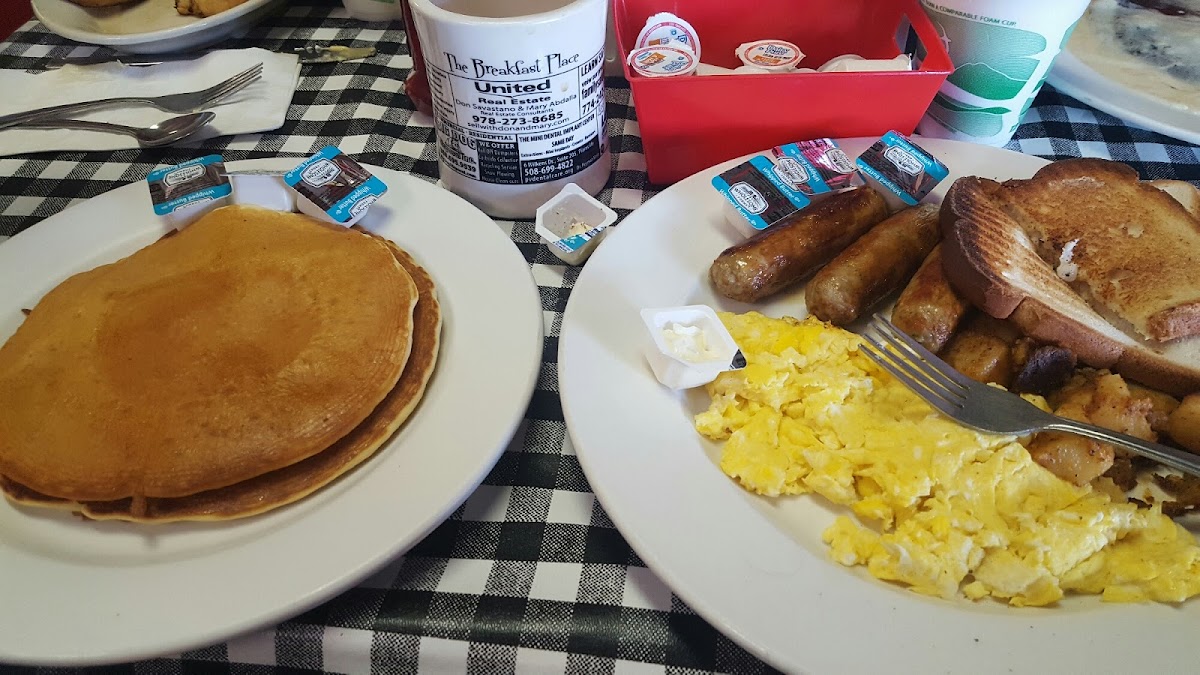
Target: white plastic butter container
709	69
853	63
689	346
572	223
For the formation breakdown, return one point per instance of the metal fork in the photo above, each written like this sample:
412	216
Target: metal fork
987	408
174	103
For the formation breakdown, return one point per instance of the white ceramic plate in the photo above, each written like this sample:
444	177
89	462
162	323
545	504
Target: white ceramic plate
147	26
1075	78
78	592
754	567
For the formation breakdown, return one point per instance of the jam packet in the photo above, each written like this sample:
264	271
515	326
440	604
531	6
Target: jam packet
900	170
331	186
757	196
817	167
184	192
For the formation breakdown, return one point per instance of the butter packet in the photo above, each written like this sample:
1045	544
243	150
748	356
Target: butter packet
903	172
816	167
182	193
331	186
199	180
757	197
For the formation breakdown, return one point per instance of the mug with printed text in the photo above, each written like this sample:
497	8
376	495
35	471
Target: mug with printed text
518	98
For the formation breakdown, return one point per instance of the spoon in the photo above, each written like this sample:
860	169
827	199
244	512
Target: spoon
165	132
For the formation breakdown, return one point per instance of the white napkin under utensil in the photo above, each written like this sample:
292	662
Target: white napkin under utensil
261	106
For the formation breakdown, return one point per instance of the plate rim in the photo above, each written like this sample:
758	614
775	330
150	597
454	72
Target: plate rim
133	39
1075	78
464	484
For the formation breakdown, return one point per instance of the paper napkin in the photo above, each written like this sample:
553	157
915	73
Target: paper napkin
261	106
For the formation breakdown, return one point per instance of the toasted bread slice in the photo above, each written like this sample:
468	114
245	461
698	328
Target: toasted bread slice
989	258
1130	249
1185	193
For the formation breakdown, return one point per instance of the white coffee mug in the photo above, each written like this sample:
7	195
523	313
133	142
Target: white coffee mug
518	98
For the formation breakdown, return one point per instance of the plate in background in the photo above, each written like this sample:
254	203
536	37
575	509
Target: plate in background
147	26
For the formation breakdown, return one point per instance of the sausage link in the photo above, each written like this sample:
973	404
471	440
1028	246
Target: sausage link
790	252
874	266
928	308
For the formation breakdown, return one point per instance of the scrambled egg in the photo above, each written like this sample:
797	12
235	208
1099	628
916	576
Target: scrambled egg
939	508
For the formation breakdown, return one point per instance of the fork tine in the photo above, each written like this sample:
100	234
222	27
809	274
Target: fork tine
917	386
249	72
928	358
900	361
232	85
915	363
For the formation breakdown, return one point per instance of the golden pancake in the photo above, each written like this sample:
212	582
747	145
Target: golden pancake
291	483
250	341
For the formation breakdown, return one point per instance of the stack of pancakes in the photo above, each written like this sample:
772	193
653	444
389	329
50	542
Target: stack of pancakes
232	368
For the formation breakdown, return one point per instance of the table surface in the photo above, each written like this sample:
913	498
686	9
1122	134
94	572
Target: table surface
565	594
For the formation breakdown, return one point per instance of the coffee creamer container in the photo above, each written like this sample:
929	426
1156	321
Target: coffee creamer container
518	98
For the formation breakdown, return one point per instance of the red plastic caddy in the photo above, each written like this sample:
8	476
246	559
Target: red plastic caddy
689	123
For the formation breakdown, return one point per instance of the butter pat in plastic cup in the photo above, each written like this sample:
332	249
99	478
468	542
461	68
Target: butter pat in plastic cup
689	346
572	223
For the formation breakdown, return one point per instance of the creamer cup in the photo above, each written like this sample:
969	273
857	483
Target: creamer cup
709	69
662	62
573	223
853	63
671	365
773	56
667	30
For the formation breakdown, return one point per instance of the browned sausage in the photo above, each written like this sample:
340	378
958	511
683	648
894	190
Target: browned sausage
928	308
875	265
790	252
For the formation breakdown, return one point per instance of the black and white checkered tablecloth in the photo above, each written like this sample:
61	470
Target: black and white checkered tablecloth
529	575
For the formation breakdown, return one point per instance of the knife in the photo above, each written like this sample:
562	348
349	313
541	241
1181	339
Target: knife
310	54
